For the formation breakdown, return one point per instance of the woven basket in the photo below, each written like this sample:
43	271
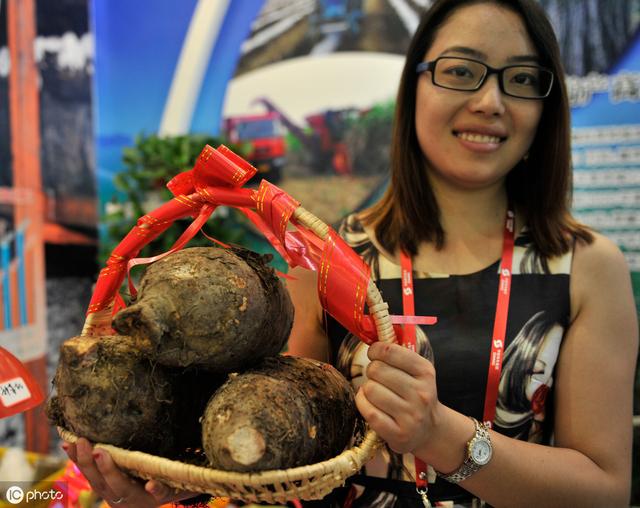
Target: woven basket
277	486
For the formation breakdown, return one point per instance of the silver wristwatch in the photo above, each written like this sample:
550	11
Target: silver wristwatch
478	454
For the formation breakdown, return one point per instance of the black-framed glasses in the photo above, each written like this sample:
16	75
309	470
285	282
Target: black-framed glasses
468	75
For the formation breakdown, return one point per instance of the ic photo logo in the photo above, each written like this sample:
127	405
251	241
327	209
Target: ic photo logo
14	494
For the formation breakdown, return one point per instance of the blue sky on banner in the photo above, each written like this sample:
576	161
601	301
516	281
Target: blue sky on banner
138	49
140	42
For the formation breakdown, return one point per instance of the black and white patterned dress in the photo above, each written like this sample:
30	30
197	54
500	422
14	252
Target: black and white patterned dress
465	306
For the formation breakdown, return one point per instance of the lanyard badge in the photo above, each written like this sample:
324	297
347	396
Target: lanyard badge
497	339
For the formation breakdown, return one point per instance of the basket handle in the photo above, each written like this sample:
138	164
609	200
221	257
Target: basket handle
217	179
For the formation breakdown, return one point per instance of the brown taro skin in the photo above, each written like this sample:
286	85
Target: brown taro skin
109	392
222	309
284	412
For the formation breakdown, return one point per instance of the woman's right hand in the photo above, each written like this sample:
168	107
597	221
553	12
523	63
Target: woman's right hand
118	489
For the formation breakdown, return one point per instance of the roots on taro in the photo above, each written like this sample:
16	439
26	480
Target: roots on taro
108	392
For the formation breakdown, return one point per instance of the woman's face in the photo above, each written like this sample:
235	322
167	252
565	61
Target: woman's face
473	139
545	361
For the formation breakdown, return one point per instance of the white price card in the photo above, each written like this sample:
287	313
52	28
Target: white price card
14	391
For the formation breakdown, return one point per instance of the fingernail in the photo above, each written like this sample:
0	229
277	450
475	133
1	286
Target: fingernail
155	490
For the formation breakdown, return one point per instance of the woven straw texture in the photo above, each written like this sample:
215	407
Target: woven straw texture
279	486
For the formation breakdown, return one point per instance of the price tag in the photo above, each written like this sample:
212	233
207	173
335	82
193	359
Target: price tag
14	391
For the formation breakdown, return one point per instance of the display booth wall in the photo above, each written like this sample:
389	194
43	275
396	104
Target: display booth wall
128	92
48	206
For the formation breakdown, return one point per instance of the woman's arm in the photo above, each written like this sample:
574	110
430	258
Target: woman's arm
308	338
590	464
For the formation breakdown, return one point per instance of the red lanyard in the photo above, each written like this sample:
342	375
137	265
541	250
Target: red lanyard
499	327
500	321
409	341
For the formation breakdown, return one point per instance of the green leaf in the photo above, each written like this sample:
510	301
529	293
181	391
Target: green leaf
148	165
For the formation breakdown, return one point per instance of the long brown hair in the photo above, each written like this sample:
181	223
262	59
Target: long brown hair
539	187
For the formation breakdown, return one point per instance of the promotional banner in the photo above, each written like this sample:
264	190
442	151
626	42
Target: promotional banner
303	88
606	153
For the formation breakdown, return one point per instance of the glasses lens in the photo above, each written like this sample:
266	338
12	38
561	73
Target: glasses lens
527	81
458	73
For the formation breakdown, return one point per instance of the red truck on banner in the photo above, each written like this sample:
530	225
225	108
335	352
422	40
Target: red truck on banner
264	133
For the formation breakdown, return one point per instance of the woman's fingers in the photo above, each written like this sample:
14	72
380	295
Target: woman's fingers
405	373
160	492
396	423
396	380
118	489
87	465
385	399
70	450
125	491
399	398
399	357
379	421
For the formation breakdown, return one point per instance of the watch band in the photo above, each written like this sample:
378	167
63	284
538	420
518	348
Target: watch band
470	465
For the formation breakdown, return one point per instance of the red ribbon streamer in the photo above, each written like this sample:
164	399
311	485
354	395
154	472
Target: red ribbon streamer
343	279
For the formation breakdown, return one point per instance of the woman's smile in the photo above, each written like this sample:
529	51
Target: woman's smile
478	141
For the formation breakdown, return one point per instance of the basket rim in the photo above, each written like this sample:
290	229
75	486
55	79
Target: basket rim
348	462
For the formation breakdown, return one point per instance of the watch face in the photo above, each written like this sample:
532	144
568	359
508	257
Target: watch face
481	451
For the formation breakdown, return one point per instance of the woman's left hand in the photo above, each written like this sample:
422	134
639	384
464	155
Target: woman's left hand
110	483
399	400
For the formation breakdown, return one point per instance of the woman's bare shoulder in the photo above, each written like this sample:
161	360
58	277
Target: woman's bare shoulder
600	258
600	273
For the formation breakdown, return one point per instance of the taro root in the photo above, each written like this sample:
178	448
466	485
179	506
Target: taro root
284	412
223	309
108	392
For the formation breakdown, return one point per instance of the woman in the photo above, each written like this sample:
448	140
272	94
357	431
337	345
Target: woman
464	149
481	136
